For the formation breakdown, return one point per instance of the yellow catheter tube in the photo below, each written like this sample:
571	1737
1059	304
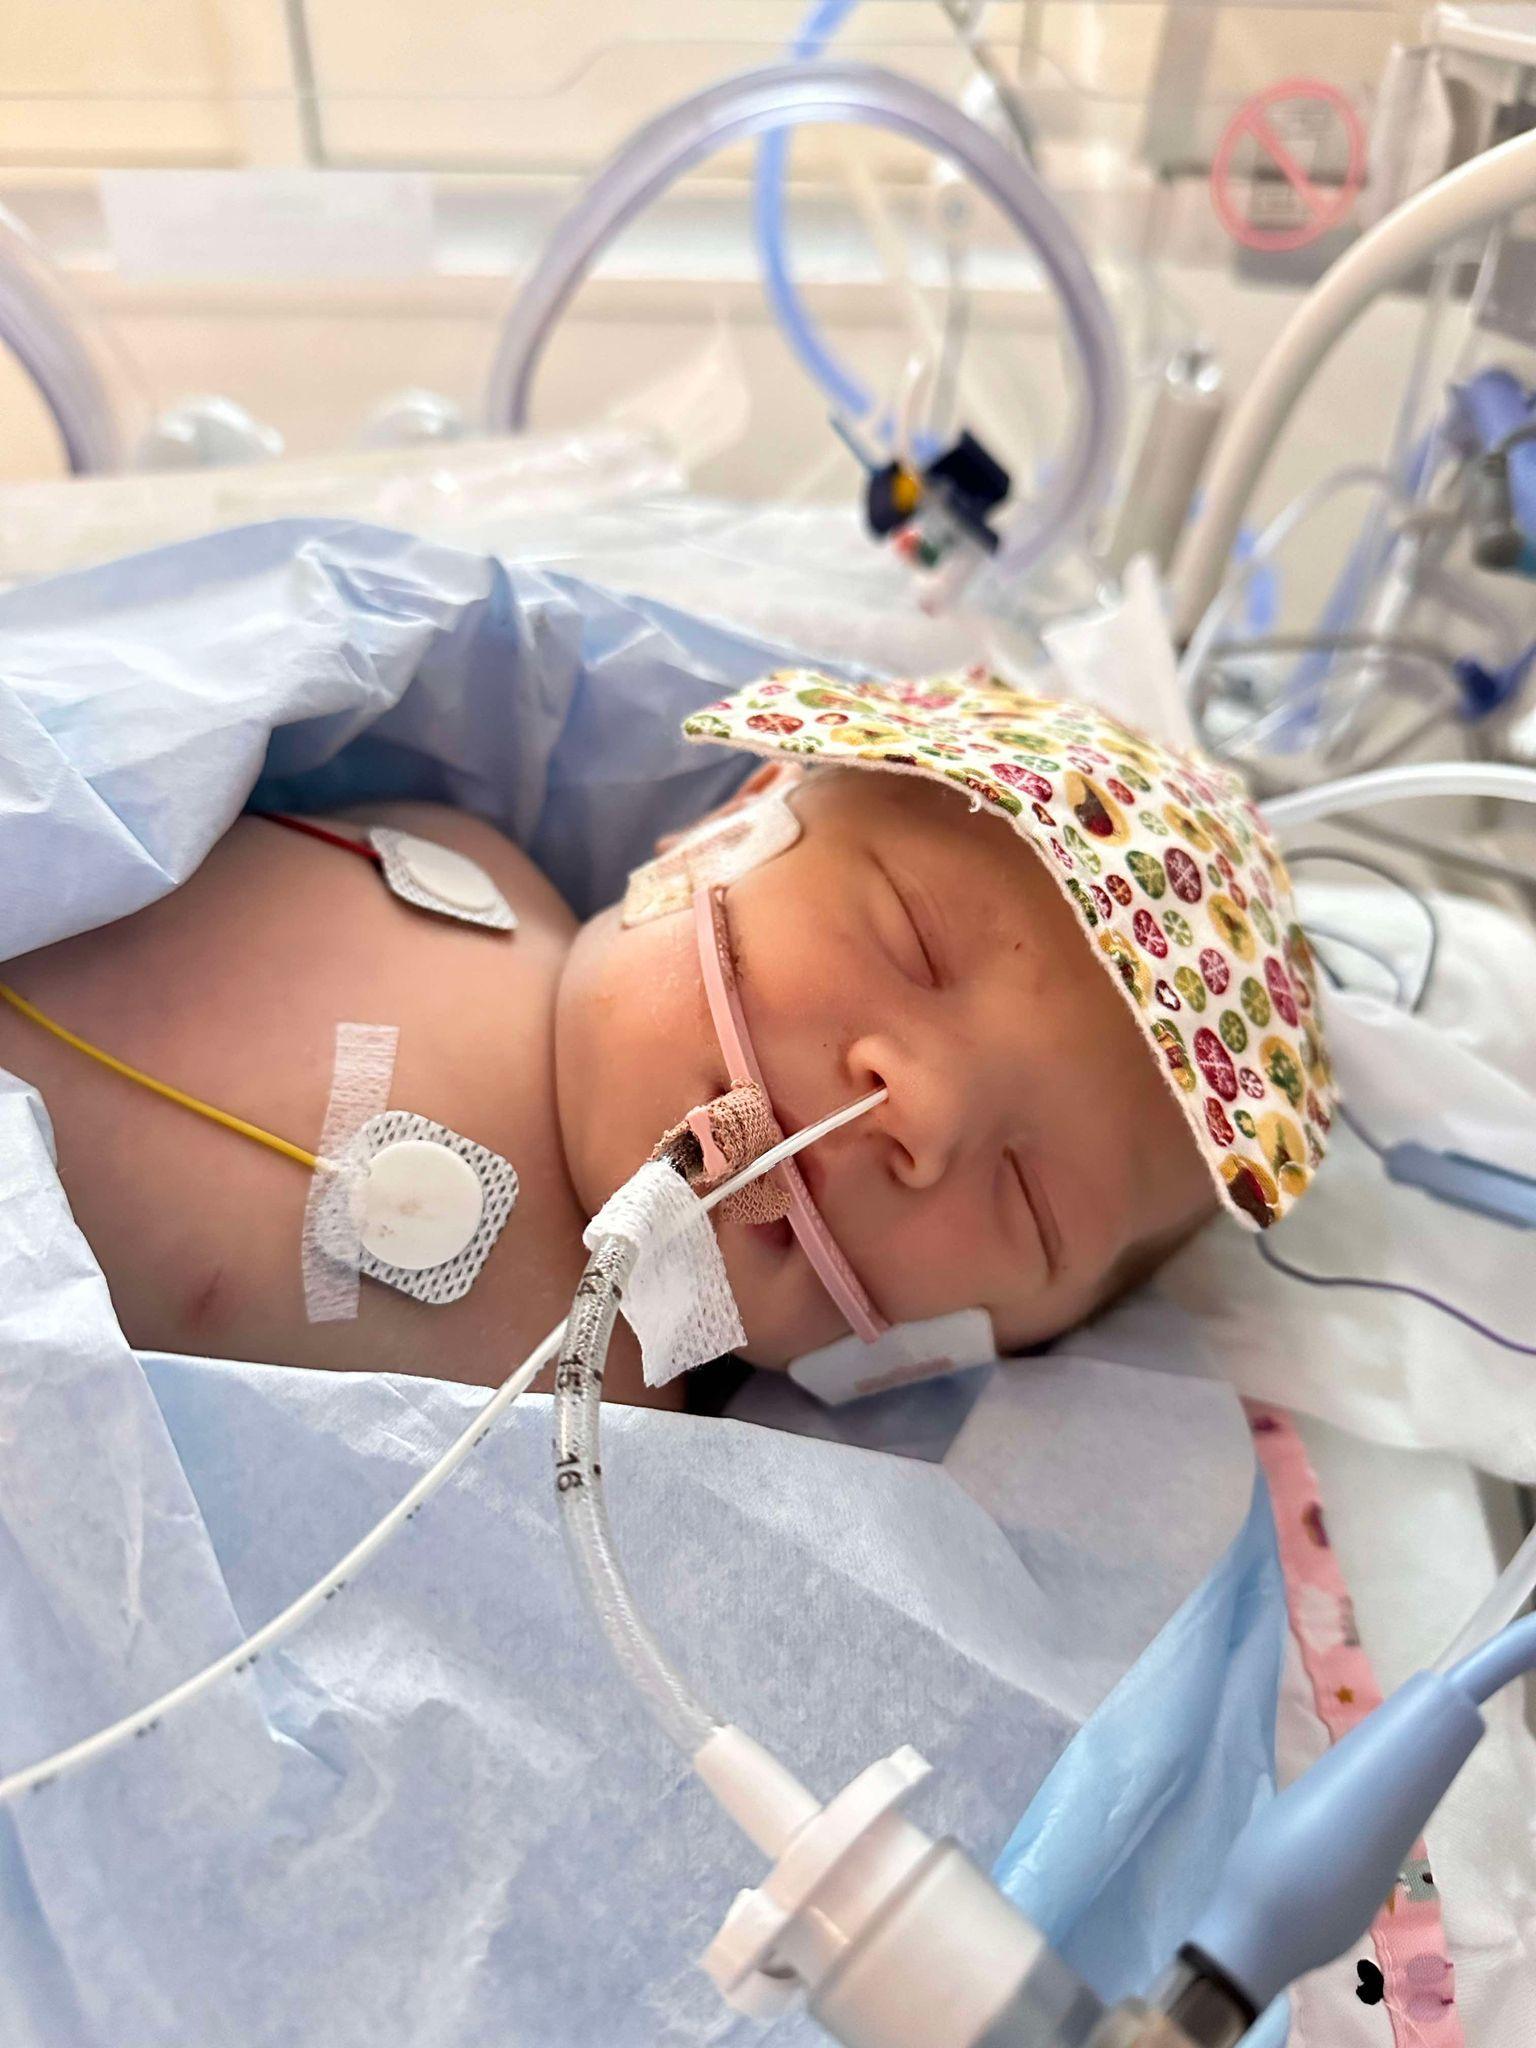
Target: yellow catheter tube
237	1124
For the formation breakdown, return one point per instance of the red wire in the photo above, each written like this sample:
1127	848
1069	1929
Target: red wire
314	831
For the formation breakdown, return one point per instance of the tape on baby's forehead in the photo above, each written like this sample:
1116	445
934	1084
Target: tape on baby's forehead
717	852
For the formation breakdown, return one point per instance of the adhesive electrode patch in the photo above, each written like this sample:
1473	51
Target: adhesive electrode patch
429	1205
420	1205
439	879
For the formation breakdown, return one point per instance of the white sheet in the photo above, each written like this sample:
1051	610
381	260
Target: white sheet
1384	1367
1403	1412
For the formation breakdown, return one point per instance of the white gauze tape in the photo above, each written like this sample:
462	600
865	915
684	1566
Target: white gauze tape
331	1253
679	1301
723	850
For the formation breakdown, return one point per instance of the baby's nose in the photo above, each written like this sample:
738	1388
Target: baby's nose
929	1112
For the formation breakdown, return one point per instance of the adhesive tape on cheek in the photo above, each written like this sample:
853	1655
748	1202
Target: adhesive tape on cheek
849	1369
721	851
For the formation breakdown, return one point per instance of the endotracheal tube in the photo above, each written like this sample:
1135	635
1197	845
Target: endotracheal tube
578	1472
893	1939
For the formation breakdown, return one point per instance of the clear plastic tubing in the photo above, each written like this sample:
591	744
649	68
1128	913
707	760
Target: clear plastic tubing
584	1517
789	95
35	326
1511	1590
1396	785
1471	197
578	1467
1510	1655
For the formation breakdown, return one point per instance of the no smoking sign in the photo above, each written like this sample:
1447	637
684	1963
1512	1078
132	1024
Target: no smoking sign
1289	165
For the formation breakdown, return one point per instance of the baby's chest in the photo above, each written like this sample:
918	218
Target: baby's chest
242	989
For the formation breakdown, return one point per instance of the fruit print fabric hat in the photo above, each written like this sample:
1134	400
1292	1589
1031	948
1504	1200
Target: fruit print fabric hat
1164	859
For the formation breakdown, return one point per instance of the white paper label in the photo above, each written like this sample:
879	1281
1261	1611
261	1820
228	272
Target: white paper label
235	224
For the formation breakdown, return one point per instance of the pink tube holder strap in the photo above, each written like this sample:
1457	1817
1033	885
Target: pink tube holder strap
1417	1983
805	1219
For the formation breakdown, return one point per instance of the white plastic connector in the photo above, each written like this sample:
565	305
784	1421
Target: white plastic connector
938	1962
778	1942
766	1801
896	1940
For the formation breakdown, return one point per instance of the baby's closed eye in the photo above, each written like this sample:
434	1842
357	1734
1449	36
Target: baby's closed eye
915	947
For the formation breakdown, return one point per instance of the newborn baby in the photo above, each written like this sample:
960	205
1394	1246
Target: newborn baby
1069	958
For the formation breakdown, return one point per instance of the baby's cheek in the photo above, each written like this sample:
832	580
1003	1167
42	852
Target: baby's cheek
636	1052
922	1264
784	1309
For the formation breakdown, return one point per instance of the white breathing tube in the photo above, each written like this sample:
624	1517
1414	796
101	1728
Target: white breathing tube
784	95
33	1777
578	1470
1400	783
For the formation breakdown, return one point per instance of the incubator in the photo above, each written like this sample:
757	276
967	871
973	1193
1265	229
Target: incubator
1072	386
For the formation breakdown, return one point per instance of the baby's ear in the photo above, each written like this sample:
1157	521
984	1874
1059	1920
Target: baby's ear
767	776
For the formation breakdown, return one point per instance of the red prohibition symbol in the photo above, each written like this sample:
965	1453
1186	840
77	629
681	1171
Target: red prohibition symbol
1273	122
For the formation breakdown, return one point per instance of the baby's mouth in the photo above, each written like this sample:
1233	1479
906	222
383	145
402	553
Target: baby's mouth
777	1234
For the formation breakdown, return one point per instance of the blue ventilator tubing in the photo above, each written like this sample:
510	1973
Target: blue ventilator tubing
1308	1874
1496	1191
849	397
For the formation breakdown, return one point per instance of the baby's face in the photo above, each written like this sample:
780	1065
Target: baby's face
1029	1149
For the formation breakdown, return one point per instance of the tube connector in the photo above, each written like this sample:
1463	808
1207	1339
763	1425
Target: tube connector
840	1863
896	1941
1497	542
766	1800
1308	1874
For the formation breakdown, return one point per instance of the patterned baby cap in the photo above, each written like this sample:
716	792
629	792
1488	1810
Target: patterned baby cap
1164	858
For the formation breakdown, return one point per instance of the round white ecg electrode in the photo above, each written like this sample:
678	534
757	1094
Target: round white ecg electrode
421	1205
457	881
